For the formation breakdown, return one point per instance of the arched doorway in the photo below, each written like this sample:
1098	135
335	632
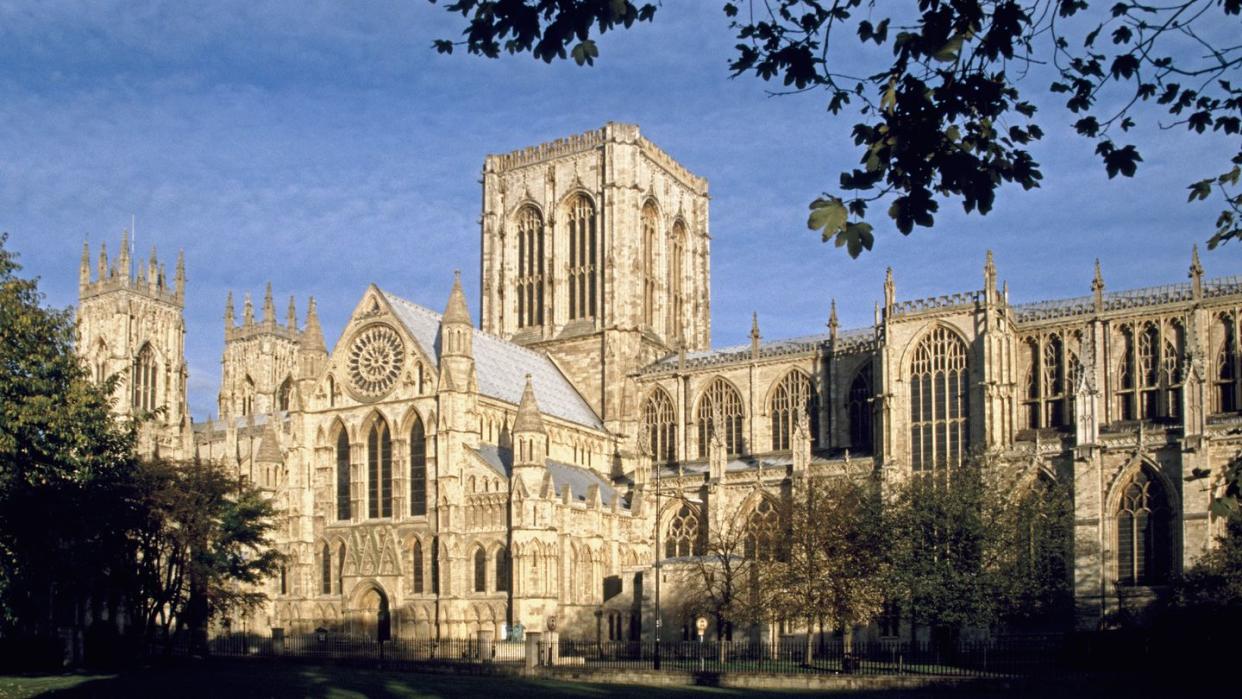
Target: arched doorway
371	606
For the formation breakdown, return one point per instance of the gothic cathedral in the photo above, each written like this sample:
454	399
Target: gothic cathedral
536	465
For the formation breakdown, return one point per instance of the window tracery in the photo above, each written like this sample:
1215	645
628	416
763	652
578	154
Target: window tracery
860	411
342	475
418	469
583	263
794	396
1144	544
375	358
1225	374
143	380
939	403
1052	372
683	535
660	427
676	282
1149	372
650	221
721	404
379	470
763	532
530	274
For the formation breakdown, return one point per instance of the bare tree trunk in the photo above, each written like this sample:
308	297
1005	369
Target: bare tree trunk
809	650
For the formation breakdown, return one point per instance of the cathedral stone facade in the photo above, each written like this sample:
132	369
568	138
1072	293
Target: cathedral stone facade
539	465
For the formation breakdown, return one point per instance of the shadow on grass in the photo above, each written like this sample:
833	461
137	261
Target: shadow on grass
238	679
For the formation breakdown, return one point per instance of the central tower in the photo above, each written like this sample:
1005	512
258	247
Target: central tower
596	250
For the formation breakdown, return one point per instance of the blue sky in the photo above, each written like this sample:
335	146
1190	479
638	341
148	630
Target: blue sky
324	145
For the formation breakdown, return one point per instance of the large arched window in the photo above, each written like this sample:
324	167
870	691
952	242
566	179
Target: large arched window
583	243
418	469
1051	372
325	571
530	275
650	222
143	380
342	475
1225	397
939	425
283	393
379	470
683	536
763	531
247	397
793	397
480	570
860	411
1149	372
1144	544
676	282
660	427
720	408
503	565
418	567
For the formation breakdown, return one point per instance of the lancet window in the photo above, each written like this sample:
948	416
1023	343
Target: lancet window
1144	542
379	470
720	411
530	274
1225	369
794	396
650	222
676	282
342	475
583	260
660	427
503	565
683	536
860	411
480	569
939	400
419	582
283	393
143	380
418	469
325	578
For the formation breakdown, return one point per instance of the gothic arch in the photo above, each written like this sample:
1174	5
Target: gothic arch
1164	541
1123	476
907	354
568	199
937	368
734	423
525	202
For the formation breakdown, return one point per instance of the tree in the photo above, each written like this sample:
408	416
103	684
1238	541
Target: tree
977	545
728	580
65	467
203	548
832	567
943	114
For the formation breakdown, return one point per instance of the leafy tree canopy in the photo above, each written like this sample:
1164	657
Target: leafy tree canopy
942	110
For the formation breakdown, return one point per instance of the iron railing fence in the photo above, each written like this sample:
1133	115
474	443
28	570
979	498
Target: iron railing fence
1006	657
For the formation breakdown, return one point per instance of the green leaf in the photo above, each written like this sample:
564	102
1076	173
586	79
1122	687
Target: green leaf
1200	190
827	214
950	50
585	52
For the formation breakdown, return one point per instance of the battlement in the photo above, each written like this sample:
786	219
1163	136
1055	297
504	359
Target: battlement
129	274
935	303
612	132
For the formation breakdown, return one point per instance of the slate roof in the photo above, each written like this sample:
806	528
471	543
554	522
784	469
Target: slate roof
501	366
577	478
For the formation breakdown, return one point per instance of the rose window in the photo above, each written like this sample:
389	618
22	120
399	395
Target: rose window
375	359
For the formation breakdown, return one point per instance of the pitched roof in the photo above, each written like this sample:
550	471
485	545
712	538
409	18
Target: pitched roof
577	478
501	365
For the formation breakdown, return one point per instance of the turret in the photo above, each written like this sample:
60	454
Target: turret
269	308
180	280
102	269
122	260
530	440
1097	287
84	270
291	316
229	318
1196	273
247	311
754	335
457	340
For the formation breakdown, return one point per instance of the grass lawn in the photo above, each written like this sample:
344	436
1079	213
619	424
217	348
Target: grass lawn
237	679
